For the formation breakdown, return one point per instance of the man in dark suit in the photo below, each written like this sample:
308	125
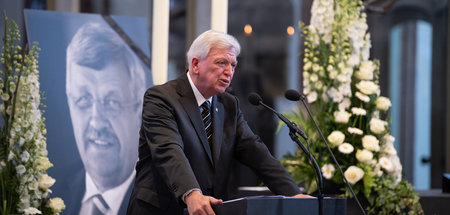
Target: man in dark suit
185	157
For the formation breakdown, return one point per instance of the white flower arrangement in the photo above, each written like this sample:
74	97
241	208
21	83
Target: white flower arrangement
341	85
23	154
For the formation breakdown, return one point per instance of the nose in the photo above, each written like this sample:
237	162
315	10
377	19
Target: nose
229	70
98	119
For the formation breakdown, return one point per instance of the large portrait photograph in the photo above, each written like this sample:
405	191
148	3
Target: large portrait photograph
93	84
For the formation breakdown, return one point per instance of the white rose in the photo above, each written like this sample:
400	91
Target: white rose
383	103
56	204
46	182
386	164
362	97
371	143
341	116
353	174
377	126
358	111
346	148
328	171
32	210
336	138
389	149
397	170
389	139
365	71
312	97
364	156
368	87
357	131
344	104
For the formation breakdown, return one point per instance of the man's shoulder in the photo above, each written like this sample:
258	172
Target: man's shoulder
228	99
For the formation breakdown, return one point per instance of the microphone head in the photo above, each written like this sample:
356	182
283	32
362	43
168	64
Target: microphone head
254	99
292	95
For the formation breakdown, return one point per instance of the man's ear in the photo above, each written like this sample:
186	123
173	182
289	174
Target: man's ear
194	64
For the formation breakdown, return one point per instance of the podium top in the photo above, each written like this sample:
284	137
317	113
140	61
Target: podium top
280	205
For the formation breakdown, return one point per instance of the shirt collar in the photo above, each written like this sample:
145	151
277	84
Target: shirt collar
113	197
198	96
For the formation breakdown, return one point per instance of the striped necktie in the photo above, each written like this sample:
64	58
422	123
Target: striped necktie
96	205
206	117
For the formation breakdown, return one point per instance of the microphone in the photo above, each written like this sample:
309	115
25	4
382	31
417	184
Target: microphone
293	95
255	99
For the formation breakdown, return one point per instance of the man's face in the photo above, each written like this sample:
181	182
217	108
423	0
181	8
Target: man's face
105	119
214	73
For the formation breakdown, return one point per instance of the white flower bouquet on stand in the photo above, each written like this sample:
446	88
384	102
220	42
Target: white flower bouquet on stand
23	151
341	85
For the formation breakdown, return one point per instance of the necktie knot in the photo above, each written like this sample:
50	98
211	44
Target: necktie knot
205	106
95	205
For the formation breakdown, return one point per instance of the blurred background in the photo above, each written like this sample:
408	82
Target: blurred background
409	37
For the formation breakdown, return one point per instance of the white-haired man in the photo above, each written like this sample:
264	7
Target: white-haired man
192	131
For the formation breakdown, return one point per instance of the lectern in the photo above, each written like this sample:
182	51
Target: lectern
279	205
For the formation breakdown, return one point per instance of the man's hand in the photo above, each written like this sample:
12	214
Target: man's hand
199	204
303	196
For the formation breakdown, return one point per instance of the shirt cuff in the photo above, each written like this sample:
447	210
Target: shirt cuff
189	192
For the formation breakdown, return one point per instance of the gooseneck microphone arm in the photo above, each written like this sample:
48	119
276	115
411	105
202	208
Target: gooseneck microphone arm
255	99
293	95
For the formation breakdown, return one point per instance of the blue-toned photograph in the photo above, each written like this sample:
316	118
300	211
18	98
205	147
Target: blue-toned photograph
93	84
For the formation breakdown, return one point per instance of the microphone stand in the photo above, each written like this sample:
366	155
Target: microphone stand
293	131
294	137
302	98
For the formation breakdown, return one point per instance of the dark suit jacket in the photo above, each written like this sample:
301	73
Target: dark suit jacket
73	191
174	154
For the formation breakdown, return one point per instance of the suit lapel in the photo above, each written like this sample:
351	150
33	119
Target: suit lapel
217	111
189	104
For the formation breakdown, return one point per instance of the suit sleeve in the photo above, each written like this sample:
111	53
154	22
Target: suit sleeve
251	151
163	138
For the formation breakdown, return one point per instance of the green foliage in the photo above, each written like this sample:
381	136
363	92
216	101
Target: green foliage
395	198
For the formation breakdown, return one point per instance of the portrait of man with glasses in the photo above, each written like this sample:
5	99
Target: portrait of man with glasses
105	82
